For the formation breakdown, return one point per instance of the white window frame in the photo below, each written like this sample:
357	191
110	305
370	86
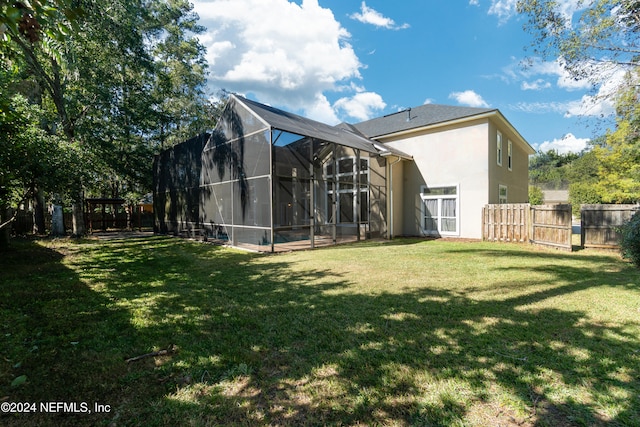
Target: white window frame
440	197
503	199
356	191
499	148
510	154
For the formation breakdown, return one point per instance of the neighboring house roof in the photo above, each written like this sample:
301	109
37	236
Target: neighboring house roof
289	122
555	196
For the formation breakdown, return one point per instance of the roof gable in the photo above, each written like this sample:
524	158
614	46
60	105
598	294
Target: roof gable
418	117
293	123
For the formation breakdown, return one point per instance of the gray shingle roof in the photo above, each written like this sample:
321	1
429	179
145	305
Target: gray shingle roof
299	125
417	117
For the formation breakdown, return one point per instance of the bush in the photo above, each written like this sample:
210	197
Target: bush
583	193
630	242
536	197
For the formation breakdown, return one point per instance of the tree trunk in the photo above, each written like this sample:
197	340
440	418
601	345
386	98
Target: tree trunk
5	234
38	212
77	212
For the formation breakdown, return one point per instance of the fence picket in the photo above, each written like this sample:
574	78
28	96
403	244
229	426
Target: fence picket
599	224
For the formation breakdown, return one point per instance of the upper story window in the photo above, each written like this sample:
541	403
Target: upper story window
510	155
499	148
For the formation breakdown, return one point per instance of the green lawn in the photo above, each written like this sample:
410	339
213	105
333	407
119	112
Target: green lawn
408	332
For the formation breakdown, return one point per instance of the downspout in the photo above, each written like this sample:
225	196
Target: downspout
271	190
391	219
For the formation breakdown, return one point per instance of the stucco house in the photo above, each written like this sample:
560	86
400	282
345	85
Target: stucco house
463	158
270	180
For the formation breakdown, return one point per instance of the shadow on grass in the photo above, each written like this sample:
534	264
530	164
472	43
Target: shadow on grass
61	341
262	342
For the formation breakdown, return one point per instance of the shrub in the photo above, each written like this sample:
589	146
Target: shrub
630	242
583	193
536	197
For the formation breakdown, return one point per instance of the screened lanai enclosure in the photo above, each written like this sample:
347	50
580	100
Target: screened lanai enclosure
270	181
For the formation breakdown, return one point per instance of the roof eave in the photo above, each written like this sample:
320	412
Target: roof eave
487	115
436	125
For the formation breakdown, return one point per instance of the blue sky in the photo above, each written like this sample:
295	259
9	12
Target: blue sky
349	60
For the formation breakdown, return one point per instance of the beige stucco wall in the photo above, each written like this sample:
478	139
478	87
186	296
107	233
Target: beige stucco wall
517	179
446	156
396	198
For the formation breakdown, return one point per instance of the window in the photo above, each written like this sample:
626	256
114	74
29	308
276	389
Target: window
348	190
499	148
440	210
510	155
502	194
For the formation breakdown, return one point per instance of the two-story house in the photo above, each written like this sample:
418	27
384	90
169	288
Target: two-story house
271	180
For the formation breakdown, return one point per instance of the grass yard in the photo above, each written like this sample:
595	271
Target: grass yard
408	332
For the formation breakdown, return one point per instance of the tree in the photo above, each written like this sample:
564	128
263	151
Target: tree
116	79
536	197
30	158
585	34
550	169
589	37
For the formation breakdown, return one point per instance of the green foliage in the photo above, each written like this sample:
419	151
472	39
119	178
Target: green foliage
35	20
598	31
585	168
18	381
630	241
536	197
584	35
30	157
550	169
583	193
118	79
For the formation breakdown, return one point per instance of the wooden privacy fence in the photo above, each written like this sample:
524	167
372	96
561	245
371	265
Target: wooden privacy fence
506	222
551	225
544	224
599	224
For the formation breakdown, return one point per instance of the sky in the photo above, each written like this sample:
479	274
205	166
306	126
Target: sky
351	60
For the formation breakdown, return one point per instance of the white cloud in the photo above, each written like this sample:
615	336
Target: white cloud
602	103
506	9
370	16
541	107
474	2
587	106
567	144
536	85
362	106
503	9
322	111
285	54
538	70
469	98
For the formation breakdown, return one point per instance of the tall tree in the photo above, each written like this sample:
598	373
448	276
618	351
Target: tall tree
128	77
589	38
585	34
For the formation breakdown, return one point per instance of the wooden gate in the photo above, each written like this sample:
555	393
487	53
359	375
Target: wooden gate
551	225
599	224
548	225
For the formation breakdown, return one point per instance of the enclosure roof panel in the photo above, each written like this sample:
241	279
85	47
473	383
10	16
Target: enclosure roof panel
289	122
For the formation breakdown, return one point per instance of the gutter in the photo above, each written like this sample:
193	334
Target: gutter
391	212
